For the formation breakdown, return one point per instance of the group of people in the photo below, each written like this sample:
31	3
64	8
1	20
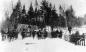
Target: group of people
55	34
40	34
10	35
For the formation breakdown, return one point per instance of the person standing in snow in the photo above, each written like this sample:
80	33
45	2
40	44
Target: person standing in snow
45	34
33	34
70	29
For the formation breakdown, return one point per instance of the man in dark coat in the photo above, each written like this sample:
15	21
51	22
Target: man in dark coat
33	34
45	34
69	29
39	34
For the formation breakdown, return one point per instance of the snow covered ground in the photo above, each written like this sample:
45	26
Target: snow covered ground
46	45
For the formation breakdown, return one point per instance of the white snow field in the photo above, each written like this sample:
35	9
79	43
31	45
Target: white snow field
44	45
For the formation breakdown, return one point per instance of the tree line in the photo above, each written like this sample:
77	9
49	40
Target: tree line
43	15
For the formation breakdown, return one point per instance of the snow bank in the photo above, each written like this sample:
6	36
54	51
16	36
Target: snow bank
47	45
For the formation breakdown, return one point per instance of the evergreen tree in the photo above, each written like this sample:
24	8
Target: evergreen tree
71	18
46	11
6	24
16	14
53	20
23	10
23	18
36	13
38	16
12	22
62	17
31	11
50	16
30	14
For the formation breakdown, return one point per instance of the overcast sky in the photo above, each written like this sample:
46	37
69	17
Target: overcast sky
78	5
